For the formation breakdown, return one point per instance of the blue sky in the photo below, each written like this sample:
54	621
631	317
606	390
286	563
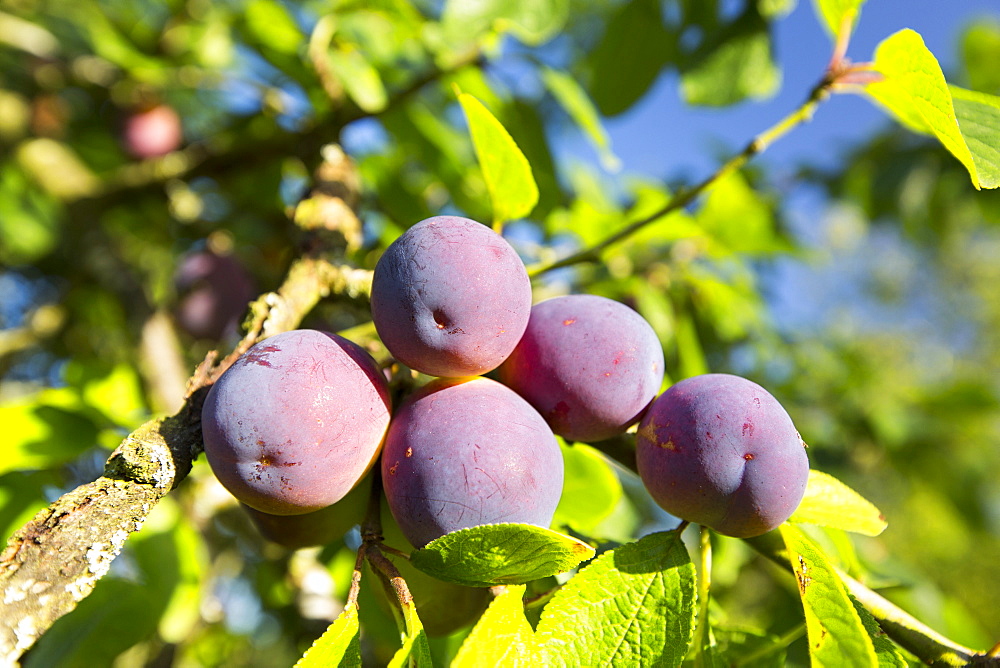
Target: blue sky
663	137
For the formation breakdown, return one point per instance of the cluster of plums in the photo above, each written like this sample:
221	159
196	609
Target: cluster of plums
297	422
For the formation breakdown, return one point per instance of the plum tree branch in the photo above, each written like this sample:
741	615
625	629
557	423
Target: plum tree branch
55	560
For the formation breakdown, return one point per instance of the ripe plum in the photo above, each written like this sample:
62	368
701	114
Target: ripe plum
450	297
465	452
296	422
719	450
588	364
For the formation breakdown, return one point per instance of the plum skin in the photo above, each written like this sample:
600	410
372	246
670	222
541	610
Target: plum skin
152	132
588	364
719	450
465	452
450	297
296	422
214	291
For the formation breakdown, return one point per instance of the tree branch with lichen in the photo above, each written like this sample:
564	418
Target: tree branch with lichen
55	560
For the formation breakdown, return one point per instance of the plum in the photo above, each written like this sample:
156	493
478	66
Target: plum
450	297
152	132
719	450
296	422
466	452
588	364
213	293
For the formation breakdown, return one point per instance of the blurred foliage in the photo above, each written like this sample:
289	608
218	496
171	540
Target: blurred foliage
892	376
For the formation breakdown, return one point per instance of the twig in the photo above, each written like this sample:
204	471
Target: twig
683	197
922	641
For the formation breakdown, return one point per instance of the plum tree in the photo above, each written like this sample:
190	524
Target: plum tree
152	132
588	364
296	422
465	452
719	450
213	291
450	297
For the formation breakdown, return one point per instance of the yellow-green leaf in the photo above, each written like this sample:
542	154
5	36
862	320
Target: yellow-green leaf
837	636
502	636
574	99
491	554
914	90
837	15
979	119
271	24
508	176
415	652
339	644
830	503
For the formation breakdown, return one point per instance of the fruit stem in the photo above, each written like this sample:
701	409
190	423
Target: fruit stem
702	637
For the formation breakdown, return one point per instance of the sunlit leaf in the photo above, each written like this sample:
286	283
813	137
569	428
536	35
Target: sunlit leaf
581	109
837	636
45	430
632	606
829	502
531	22
979	119
591	489
508	176
502	636
837	15
493	554
359	78
338	646
415	651
914	90
888	654
273	26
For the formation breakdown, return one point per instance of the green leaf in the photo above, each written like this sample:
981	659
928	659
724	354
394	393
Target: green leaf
531	22
502	637
834	13
415	651
979	119
888	654
45	430
737	67
980	55
339	645
591	489
914	90
830	503
632	606
837	636
775	9
508	177
574	99
494	554
360	79
271	24
628	59
734	645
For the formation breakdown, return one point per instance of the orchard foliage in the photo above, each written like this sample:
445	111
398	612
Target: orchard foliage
391	176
